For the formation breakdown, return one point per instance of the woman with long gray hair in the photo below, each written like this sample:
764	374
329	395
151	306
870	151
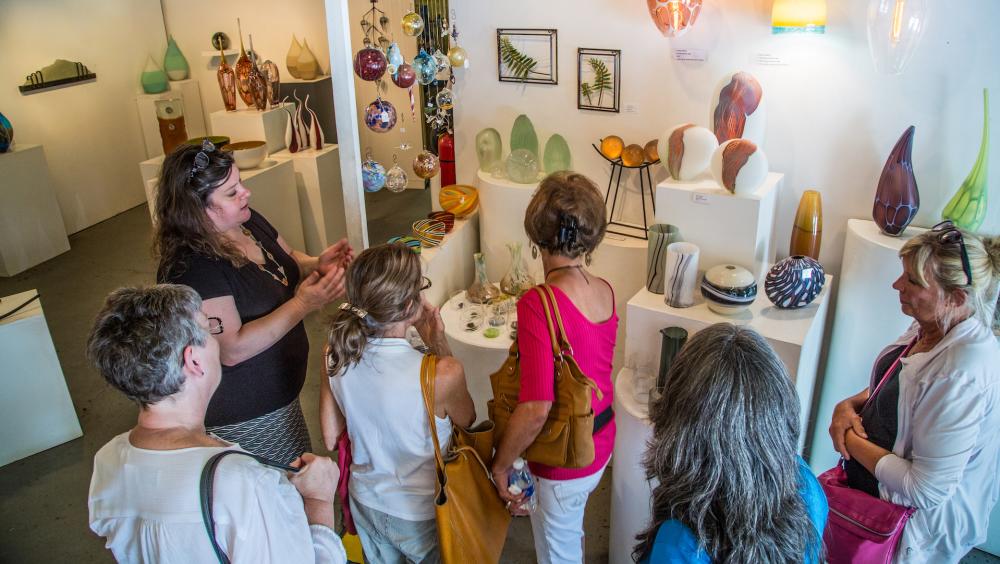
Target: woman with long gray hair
731	487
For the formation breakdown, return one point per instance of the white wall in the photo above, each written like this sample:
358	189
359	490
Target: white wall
831	119
90	131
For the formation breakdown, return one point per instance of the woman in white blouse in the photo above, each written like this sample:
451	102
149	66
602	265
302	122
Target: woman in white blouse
930	438
154	345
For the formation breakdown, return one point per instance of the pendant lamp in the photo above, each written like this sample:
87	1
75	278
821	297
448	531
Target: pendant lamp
894	30
798	16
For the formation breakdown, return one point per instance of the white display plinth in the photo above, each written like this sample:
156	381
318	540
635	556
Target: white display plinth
273	194
194	116
631	502
31	225
36	412
868	318
726	227
480	356
502	204
252	125
450	266
321	195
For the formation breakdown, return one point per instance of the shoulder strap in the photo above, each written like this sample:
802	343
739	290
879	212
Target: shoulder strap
428	370
563	339
206	491
888	373
556	353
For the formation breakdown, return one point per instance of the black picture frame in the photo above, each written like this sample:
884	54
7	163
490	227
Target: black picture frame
609	103
531	43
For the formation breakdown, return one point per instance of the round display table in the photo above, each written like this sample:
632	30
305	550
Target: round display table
480	355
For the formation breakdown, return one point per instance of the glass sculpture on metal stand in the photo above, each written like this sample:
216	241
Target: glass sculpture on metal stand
645	178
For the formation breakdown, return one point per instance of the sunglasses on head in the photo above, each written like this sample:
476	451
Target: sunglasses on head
948	234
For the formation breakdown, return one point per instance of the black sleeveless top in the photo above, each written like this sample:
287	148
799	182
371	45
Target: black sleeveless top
879	419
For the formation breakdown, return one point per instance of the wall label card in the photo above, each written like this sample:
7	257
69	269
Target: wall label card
703	199
690	55
771	59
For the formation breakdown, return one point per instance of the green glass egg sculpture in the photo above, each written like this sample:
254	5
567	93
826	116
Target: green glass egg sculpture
557	156
174	62
522	135
522	166
489	148
153	79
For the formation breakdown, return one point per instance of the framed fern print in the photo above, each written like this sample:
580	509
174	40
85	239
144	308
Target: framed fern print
598	79
528	55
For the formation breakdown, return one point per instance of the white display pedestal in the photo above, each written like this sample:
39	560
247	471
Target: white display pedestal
450	266
480	356
273	194
36	412
868	318
796	336
194	116
31	225
727	228
252	125
321	196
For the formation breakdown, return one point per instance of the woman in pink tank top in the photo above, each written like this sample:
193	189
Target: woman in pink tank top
565	222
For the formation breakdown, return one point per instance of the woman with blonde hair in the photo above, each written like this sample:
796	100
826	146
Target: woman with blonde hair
374	377
924	434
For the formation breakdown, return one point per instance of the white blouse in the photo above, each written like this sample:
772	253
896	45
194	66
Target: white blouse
146	504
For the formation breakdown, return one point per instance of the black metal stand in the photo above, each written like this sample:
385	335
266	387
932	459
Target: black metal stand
644	178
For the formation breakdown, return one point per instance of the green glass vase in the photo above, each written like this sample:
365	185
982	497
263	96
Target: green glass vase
174	62
557	156
967	208
523	136
153	79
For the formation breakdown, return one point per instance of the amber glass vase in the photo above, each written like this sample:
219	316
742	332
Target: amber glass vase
227	82
807	232
243	69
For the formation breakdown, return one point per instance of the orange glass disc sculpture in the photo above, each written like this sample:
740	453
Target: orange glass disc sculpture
459	199
633	155
807	231
612	146
673	17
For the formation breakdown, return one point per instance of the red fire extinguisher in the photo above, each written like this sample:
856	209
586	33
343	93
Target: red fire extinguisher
446	154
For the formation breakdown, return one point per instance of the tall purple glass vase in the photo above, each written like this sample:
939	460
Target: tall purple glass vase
897	199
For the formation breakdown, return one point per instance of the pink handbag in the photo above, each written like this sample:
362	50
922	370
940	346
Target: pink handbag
861	528
343	493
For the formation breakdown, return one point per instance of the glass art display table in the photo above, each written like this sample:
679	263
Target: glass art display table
480	355
31	224
796	336
36	412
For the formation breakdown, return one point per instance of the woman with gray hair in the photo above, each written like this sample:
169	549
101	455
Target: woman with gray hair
924	433
156	346
731	487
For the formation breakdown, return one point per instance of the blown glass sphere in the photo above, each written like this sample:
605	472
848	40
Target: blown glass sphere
396	179
380	116
522	166
426	165
369	64
413	24
612	146
426	68
445	99
372	175
457	56
441	60
633	155
405	76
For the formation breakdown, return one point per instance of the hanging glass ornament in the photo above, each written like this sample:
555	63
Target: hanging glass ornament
426	164
445	99
426	67
395	58
457	56
369	64
894	31
441	60
405	76
413	24
380	116
372	174
396	179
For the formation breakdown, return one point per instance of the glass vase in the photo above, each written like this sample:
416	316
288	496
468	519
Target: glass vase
807	232
518	280
896	198
170	118
967	208
672	339
227	82
481	291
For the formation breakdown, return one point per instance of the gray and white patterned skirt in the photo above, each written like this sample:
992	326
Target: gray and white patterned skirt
280	436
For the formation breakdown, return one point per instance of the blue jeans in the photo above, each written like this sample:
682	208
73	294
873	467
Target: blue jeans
391	540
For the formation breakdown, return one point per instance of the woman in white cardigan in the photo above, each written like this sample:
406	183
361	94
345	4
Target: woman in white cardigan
930	439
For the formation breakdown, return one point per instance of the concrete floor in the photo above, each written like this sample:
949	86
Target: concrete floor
43	498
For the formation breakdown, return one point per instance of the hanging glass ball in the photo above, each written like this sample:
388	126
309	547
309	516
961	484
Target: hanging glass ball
457	56
441	60
369	64
445	99
405	76
372	175
395	55
413	24
426	164
522	166
426	68
396	179
380	116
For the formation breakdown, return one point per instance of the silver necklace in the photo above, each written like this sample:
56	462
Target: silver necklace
280	277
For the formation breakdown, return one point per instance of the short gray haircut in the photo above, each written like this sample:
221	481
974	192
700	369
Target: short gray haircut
723	448
138	339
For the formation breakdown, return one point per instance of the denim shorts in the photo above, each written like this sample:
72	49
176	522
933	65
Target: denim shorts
390	540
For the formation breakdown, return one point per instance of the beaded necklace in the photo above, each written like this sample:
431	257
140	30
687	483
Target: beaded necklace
280	277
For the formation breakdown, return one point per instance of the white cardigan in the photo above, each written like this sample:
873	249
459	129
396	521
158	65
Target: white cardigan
947	451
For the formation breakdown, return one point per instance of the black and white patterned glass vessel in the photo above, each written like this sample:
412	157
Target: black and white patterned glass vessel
794	282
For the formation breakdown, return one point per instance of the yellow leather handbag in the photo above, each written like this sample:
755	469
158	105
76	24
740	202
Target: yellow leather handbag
472	520
567	438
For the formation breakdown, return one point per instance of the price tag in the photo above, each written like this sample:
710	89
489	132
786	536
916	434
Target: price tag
703	199
690	55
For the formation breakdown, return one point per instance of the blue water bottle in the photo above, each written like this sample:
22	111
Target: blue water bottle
521	481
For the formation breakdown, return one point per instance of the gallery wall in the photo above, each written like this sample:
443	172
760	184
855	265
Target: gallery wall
831	119
90	131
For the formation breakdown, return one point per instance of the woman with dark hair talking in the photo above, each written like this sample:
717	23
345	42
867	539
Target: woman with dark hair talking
731	487
208	238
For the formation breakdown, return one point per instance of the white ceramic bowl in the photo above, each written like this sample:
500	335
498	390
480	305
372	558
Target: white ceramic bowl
247	154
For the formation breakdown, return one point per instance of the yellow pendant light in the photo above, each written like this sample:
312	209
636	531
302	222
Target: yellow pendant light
798	16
